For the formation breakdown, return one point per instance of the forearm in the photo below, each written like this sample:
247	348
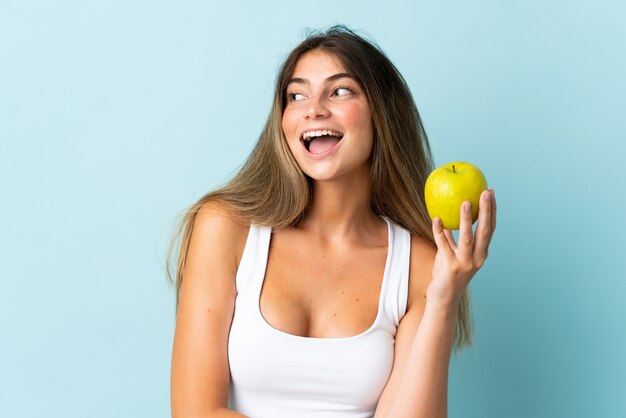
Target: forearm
423	389
225	413
218	413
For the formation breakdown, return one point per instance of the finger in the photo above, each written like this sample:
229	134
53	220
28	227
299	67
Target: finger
493	210
440	238
465	245
450	238
483	230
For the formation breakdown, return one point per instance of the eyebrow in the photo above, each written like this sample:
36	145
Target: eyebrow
331	78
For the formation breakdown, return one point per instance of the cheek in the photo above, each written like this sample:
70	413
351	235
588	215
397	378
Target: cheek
359	117
289	128
288	124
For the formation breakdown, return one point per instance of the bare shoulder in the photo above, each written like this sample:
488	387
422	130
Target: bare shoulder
420	272
218	217
213	253
216	224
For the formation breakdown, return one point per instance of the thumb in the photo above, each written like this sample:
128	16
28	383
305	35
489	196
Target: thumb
440	238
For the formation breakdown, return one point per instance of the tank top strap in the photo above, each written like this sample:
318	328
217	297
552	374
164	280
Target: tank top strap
396	288
254	258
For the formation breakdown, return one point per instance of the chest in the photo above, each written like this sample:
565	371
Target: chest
321	291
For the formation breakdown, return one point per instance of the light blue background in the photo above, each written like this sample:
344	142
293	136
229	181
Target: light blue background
116	115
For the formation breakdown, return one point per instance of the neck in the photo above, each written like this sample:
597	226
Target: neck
340	209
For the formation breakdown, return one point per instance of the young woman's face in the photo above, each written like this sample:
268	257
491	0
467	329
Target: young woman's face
327	119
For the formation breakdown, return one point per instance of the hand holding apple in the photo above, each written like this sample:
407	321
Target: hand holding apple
456	263
448	187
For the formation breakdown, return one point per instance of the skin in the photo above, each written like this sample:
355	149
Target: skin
323	278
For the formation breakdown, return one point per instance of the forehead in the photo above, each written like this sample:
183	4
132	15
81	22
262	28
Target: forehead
317	62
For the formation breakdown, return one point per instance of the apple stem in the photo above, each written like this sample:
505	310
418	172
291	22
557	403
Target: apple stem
453	170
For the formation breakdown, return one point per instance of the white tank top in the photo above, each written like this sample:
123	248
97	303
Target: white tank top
279	375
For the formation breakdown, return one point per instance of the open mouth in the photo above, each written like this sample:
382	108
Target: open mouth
317	142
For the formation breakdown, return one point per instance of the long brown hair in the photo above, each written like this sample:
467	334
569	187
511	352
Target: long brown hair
271	189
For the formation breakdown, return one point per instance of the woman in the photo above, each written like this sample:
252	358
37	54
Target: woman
314	284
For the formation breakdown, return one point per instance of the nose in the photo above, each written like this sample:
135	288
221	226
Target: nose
317	108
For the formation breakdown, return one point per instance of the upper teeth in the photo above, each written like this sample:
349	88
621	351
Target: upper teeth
312	134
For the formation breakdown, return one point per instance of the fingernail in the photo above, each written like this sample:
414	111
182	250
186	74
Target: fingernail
466	206
437	222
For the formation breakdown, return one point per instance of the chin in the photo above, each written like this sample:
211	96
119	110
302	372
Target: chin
333	171
326	175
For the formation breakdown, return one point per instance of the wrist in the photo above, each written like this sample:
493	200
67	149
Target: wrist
443	308
444	295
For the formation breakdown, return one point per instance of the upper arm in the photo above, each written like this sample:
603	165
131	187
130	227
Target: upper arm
420	274
200	375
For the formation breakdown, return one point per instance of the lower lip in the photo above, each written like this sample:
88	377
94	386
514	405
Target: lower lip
321	155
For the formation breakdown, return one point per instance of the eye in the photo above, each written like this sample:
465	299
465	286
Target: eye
294	97
343	91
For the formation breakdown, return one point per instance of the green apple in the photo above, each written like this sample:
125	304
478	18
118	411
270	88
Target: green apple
448	187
